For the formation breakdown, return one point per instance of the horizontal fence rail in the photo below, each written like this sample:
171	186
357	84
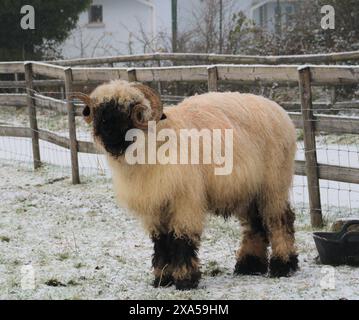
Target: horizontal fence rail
321	75
48	136
216	58
11	67
328	123
48	70
330	172
19	100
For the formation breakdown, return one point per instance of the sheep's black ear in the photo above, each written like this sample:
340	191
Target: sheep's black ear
163	117
86	111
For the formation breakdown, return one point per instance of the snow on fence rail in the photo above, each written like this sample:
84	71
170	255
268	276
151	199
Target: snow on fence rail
216	58
305	77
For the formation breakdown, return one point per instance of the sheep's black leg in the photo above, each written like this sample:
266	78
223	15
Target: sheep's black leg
184	262
252	256
161	260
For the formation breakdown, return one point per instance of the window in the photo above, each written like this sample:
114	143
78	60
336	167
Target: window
95	14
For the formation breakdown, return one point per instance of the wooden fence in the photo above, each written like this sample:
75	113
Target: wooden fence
305	77
202	58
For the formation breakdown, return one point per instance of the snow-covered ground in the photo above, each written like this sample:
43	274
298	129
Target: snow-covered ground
74	242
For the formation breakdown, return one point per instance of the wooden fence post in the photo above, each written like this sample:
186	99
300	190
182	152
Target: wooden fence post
62	92
333	95
310	146
72	127
159	84
131	73
16	79
212	78
32	115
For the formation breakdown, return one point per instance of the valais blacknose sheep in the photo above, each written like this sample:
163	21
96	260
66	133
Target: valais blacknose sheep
173	199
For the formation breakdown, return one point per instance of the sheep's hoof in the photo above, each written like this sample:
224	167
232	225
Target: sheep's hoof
164	281
251	265
188	284
280	268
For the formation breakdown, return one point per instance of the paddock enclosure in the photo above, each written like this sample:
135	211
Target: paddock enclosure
39	122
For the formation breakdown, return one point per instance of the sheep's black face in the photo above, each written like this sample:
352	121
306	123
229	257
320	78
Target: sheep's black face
111	122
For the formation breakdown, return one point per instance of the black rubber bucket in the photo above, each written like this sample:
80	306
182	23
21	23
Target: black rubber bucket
337	248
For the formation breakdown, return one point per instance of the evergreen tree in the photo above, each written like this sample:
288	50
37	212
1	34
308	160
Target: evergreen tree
54	20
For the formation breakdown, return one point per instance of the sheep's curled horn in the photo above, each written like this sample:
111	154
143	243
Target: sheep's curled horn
140	114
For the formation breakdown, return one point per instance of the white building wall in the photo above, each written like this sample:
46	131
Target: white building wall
163	16
118	34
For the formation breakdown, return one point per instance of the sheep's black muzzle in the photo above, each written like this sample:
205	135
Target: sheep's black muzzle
111	122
